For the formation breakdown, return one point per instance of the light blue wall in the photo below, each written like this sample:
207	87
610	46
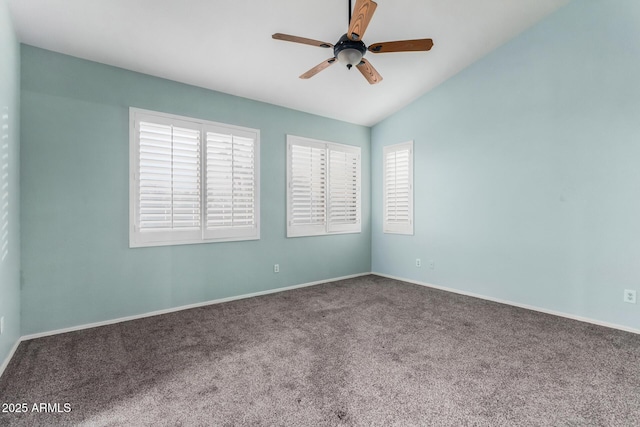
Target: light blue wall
77	266
9	183
527	169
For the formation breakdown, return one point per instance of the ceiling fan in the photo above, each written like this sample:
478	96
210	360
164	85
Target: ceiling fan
350	49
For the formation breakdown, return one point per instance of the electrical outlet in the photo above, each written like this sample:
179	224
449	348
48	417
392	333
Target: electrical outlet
630	296
276	268
1	325
432	264
418	262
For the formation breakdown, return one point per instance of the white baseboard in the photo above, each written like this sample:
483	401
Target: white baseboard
515	304
184	307
6	361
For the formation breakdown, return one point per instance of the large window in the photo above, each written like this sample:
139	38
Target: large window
323	187
192	181
398	188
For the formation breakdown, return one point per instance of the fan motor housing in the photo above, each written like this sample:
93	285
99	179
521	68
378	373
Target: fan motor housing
346	43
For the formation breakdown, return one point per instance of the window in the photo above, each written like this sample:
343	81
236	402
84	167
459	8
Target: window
398	188
323	187
4	185
192	181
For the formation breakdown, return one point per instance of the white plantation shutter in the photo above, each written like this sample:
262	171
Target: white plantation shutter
231	196
323	187
398	188
307	188
344	189
192	181
169	177
4	185
219	180
168	202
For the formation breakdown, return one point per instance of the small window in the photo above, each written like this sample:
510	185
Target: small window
323	187
398	188
192	181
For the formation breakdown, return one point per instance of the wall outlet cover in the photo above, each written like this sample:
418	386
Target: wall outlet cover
418	262
276	268
630	296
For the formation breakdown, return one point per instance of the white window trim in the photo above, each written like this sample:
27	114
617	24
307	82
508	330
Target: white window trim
139	239
327	228
390	228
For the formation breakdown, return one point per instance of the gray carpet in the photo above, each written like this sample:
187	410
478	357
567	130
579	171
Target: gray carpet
364	351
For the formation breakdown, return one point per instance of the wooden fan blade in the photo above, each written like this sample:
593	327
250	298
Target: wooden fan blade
362	14
402	46
369	72
296	39
315	70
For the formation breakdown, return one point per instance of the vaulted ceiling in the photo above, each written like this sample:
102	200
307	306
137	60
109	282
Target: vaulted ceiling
226	45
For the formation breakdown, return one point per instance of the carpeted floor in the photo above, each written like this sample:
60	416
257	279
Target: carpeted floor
364	351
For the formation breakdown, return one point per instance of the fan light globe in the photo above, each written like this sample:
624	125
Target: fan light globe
349	52
350	57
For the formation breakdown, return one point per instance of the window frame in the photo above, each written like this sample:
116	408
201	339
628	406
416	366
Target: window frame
328	227
387	227
137	238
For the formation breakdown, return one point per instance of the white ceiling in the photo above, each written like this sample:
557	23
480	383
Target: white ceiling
226	45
